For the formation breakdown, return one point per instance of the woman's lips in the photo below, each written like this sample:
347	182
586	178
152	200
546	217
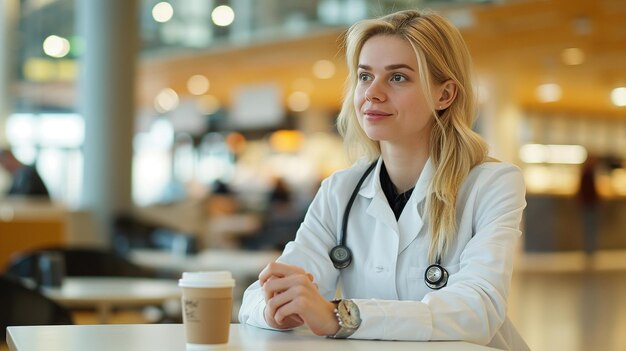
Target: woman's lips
375	115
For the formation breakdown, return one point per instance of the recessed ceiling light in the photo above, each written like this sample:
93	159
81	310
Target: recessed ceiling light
162	12
324	69
56	46
560	154
166	100
298	101
198	84
223	15
549	92
618	96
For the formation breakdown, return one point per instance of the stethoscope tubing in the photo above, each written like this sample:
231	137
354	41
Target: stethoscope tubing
341	255
355	192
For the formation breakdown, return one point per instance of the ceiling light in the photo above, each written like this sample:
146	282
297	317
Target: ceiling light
223	16
324	69
56	46
198	84
618	96
166	100
298	101
549	92
573	56
555	154
162	12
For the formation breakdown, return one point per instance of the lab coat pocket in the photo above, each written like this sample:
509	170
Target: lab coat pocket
415	280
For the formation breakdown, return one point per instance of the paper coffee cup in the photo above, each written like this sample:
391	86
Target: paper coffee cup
207	308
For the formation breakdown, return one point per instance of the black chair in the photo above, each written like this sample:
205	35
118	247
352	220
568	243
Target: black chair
132	233
79	261
20	305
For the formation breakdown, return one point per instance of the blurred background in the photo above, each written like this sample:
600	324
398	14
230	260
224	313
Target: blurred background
197	126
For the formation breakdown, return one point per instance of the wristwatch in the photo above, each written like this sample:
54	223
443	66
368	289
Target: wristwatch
348	316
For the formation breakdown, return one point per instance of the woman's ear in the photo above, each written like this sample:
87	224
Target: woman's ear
446	93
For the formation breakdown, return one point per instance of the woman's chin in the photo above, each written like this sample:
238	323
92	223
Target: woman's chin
376	135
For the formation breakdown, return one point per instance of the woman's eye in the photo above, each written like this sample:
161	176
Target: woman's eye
398	78
364	77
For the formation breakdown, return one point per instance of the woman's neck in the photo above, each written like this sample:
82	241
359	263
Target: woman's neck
404	165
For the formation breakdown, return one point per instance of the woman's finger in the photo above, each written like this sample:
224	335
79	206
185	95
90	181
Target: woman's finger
278	270
279	285
274	285
281	299
286	311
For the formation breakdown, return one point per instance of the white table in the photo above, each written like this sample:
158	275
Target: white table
104	293
170	337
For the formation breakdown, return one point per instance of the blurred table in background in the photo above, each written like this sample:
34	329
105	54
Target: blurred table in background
106	293
225	231
241	263
244	265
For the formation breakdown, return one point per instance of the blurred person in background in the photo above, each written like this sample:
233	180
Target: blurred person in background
281	219
589	200
222	200
432	220
25	178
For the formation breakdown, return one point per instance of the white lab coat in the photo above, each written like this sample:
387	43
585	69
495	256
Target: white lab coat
386	277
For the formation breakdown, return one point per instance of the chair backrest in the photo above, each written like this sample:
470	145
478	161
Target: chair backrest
132	233
20	305
174	241
79	261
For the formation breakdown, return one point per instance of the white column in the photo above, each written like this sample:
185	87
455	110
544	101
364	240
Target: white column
501	122
241	29
106	99
9	16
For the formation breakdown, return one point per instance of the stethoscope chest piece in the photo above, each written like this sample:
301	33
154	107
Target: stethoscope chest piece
436	277
341	256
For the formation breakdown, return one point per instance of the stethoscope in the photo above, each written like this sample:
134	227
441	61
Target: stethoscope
435	276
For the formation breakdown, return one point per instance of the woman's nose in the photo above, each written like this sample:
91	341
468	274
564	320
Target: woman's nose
375	92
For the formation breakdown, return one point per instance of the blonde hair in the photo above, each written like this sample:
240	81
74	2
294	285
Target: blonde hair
454	148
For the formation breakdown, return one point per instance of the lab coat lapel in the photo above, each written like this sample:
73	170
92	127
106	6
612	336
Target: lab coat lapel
411	221
378	207
409	224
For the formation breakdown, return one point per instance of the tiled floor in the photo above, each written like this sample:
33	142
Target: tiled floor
568	302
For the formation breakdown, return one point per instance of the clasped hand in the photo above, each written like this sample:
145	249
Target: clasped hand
292	299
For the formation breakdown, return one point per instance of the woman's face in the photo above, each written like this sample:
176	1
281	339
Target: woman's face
389	101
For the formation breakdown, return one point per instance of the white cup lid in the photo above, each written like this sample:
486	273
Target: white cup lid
215	279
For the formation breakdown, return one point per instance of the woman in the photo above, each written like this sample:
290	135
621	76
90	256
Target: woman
433	222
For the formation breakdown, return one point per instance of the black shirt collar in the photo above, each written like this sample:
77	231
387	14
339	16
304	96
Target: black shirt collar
396	201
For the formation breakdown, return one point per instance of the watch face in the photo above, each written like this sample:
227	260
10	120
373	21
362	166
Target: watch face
349	314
